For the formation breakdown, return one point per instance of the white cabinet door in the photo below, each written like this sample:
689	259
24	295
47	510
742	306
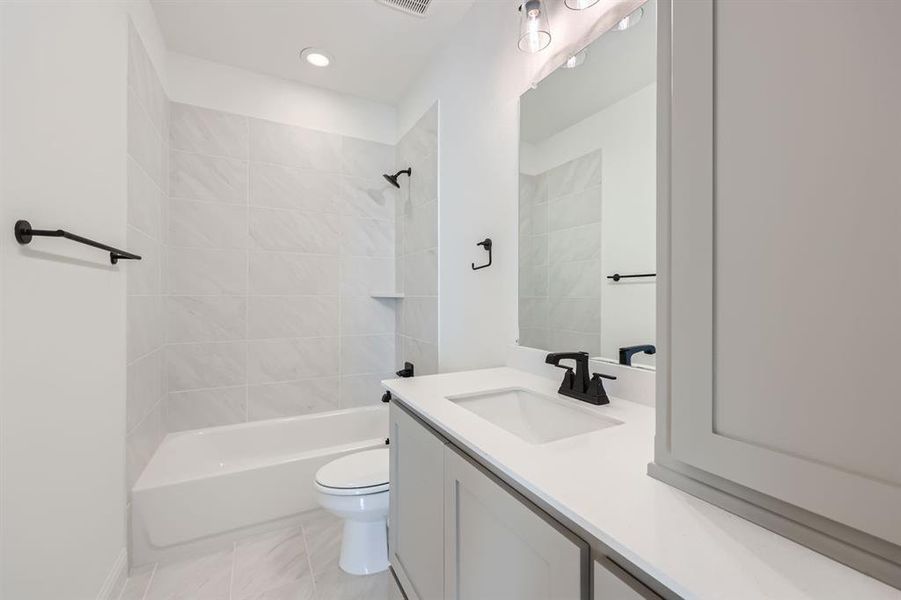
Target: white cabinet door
498	548
784	271
416	526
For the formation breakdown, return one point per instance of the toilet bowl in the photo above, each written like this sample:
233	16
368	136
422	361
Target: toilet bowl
355	488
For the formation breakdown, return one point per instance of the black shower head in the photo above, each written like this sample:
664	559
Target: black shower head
392	179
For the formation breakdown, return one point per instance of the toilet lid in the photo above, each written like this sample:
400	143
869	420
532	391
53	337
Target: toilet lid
368	469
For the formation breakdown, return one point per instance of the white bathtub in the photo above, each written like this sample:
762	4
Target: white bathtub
202	486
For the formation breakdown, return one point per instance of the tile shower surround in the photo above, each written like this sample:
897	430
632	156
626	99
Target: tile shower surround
417	245
560	241
262	243
277	237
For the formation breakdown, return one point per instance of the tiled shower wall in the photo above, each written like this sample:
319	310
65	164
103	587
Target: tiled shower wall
560	256
147	175
417	245
277	237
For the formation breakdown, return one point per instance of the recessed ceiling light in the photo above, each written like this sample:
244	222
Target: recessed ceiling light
316	57
630	20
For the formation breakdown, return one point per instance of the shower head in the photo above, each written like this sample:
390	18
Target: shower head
392	179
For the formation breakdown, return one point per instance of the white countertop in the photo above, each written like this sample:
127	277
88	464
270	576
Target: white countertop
598	481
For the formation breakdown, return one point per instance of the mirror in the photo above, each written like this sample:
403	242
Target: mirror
587	199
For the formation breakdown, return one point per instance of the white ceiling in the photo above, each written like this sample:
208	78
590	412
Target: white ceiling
619	63
377	50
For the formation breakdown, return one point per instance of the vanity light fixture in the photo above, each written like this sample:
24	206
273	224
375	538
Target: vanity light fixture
316	57
534	30
575	60
630	20
580	4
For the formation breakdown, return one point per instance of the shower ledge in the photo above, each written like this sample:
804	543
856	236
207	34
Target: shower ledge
387	294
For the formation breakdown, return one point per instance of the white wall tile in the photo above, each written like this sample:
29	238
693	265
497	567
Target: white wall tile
363	315
294	146
575	209
200	271
275	400
211	178
292	316
373	198
278	186
575	176
143	80
362	158
366	237
145	145
363	390
421	273
207	131
144	276
271	361
144	325
421	319
574	314
205	318
206	365
363	275
145	201
290	230
572	341
207	225
420	227
288	273
367	354
146	386
205	408
576	279
142	442
568	245
424	356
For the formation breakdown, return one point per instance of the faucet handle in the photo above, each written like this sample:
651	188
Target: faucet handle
596	388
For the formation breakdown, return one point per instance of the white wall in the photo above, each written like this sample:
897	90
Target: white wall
62	376
626	134
230	89
478	79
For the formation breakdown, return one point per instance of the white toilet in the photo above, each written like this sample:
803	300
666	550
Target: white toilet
355	488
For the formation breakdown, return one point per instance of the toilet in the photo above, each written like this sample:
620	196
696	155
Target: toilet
355	488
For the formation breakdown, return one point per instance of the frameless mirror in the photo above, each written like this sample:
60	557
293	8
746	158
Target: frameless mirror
587	198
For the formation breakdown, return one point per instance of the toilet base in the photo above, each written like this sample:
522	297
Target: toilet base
364	547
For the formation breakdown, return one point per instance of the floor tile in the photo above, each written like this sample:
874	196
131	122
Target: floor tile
270	561
323	535
203	578
334	584
300	589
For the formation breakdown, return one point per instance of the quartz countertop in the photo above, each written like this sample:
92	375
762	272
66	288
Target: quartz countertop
599	482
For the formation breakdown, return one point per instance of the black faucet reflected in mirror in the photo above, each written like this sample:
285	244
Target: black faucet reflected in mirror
577	384
626	353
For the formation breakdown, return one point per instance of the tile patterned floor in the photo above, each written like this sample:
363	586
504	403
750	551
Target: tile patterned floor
300	563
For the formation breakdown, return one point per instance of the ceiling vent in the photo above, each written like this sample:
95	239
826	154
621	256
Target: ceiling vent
411	7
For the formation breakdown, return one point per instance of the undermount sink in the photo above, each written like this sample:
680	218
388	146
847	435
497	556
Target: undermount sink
534	418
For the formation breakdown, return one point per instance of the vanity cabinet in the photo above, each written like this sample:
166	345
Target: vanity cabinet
416	527
499	547
457	532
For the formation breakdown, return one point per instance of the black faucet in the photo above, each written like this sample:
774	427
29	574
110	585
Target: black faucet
407	371
578	385
626	353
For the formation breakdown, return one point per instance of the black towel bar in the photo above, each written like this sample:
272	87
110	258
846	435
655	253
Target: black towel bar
617	276
24	233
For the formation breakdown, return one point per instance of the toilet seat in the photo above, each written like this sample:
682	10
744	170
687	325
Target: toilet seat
356	474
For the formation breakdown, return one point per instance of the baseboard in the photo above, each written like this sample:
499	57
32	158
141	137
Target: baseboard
115	579
848	546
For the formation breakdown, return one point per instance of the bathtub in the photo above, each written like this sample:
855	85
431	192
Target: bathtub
202	487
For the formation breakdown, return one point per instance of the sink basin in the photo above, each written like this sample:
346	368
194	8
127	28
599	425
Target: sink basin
534	418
